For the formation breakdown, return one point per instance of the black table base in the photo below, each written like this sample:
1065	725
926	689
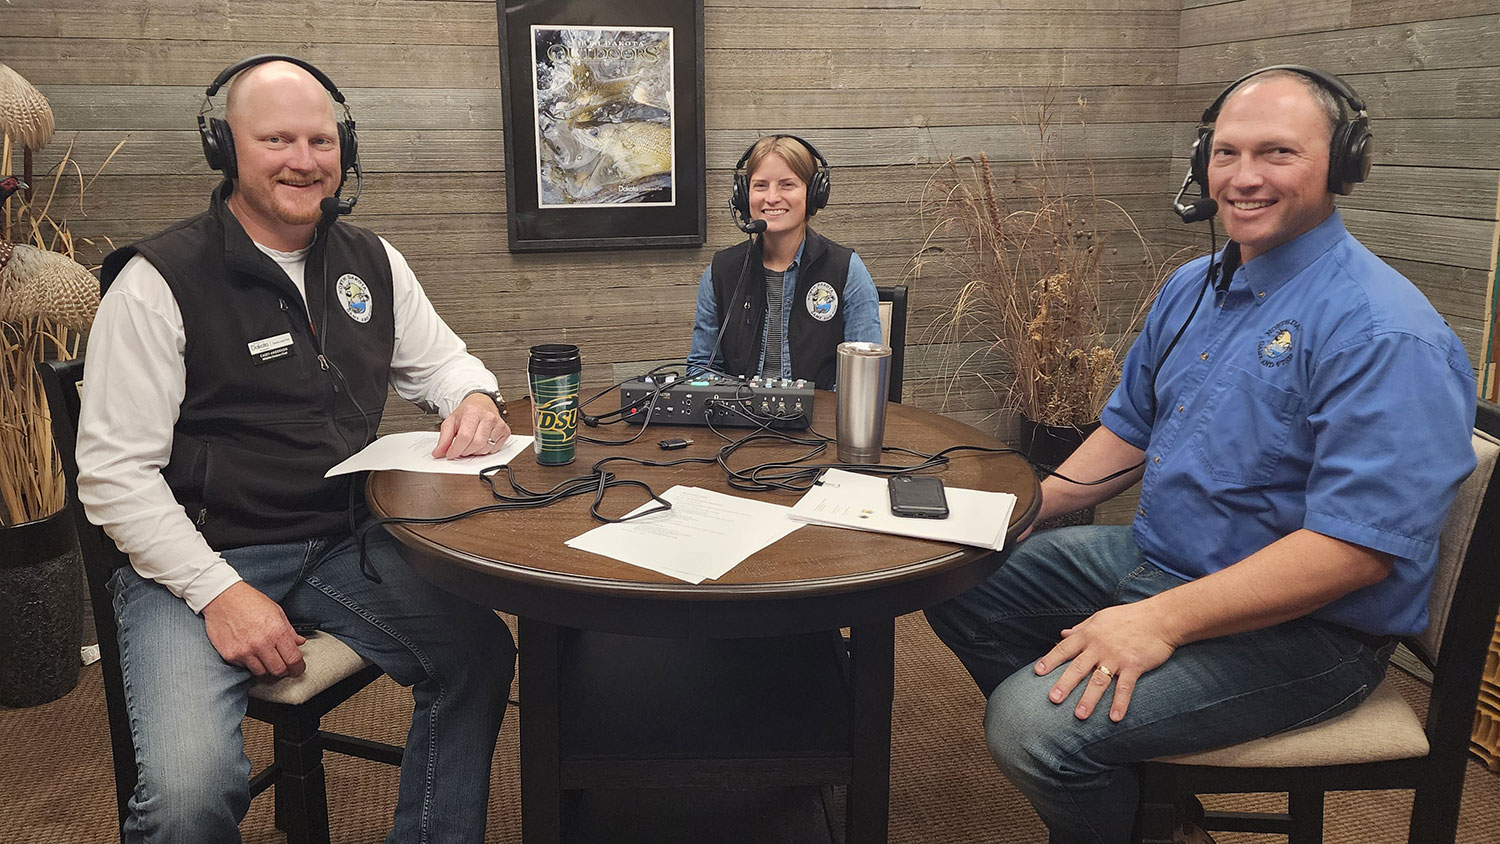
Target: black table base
725	724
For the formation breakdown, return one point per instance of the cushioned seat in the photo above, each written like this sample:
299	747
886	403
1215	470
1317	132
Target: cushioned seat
294	707
1381	744
1383	727
328	660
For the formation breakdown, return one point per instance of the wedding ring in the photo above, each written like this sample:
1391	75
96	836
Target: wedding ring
492	441
1108	675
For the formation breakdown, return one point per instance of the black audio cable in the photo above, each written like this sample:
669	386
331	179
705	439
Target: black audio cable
780	475
750	230
1208	277
604	418
520	498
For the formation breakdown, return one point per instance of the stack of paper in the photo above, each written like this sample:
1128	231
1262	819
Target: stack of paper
702	537
862	502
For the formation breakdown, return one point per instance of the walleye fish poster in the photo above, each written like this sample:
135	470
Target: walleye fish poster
605	126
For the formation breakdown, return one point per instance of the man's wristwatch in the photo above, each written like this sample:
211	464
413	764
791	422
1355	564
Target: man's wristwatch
494	397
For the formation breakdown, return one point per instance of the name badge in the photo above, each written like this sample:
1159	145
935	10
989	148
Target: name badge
271	348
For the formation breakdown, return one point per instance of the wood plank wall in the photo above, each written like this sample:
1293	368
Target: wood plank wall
885	88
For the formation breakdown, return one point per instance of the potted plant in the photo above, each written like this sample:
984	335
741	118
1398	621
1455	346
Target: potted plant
47	300
1055	284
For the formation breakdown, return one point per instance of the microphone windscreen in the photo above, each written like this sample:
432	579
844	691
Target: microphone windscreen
330	207
1205	208
1199	210
756	226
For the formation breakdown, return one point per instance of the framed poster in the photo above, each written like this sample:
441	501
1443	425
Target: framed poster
603	111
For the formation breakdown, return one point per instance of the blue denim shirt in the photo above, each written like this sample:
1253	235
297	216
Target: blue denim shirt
1320	391
860	304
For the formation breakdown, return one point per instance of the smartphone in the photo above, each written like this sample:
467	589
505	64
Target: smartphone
917	497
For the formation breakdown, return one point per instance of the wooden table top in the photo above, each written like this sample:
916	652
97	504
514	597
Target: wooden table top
517	561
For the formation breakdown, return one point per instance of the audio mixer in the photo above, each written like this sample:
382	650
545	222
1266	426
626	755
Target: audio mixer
781	403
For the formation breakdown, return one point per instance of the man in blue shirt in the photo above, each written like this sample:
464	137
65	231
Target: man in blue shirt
1298	450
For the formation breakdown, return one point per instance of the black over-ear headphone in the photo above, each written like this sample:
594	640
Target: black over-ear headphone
817	188
218	141
1348	154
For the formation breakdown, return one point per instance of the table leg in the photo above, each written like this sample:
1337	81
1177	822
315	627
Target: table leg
872	664
539	644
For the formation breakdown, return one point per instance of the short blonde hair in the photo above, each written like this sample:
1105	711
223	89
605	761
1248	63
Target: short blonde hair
789	149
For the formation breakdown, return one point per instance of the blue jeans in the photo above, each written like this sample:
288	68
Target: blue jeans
186	703
1080	775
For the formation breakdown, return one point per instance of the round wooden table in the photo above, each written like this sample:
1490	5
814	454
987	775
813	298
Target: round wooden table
814	579
784	597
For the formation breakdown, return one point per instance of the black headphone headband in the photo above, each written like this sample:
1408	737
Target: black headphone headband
218	140
822	162
228	73
818	186
1327	81
1349	151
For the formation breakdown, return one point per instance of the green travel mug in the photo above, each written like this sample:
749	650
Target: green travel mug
553	372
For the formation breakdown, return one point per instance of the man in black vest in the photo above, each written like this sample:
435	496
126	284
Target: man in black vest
236	357
787	299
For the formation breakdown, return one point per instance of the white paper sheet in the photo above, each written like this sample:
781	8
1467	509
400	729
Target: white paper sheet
862	502
702	537
413	453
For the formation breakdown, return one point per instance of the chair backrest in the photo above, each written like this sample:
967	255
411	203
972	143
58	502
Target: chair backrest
1453	547
893	333
62	381
1466	594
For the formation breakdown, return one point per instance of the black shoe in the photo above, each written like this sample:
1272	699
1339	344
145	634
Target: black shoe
1189	829
1188	832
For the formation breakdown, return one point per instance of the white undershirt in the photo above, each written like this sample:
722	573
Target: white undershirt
133	387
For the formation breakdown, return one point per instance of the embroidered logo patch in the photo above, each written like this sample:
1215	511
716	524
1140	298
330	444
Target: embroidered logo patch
354	296
822	302
1280	343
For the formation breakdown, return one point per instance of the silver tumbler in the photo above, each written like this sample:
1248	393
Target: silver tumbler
864	378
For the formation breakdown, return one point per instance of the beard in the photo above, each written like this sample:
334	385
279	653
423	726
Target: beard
262	196
288	214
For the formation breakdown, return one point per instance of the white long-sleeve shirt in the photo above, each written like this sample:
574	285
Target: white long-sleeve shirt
133	388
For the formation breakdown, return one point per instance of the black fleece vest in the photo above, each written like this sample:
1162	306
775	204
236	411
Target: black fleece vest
259	427
811	342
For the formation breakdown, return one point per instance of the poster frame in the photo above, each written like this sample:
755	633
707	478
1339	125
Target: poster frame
531	227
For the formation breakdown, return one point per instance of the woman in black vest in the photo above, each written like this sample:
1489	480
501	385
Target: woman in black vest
793	294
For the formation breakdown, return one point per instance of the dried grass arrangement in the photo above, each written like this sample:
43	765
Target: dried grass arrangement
47	301
1037	288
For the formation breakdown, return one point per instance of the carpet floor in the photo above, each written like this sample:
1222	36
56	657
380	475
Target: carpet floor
56	776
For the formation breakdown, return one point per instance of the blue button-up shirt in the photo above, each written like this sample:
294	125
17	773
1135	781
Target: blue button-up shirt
860	305
1320	390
